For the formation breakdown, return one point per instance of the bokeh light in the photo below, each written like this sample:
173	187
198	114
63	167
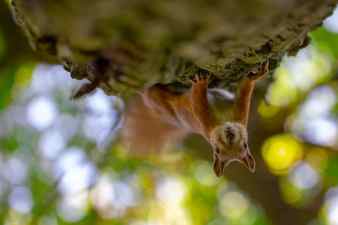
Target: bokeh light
41	113
281	152
76	171
171	192
74	207
20	199
330	208
101	116
302	184
234	205
112	197
267	111
298	74
204	174
51	143
303	176
315	121
331	23
14	170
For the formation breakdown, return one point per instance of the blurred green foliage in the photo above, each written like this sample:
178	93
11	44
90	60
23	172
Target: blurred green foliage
326	41
7	81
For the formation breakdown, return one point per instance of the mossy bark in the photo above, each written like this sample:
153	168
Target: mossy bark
122	46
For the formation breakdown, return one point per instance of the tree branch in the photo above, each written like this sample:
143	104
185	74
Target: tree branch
125	45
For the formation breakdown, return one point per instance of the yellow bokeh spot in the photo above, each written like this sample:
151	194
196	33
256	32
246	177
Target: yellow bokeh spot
267	111
281	152
282	92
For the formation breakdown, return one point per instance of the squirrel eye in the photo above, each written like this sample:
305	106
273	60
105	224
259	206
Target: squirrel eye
245	145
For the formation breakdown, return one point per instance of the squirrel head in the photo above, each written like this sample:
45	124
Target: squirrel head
230	143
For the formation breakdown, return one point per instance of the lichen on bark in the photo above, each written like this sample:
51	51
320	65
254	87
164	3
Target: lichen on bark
122	46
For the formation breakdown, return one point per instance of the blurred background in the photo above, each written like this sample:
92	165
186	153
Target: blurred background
61	161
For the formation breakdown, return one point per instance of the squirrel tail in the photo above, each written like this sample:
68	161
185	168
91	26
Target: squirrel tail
144	132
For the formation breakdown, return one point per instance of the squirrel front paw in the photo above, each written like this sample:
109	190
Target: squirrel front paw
200	79
263	70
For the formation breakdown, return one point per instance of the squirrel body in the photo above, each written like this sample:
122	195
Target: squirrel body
176	109
191	112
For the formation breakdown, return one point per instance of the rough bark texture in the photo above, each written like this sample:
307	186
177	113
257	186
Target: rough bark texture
122	45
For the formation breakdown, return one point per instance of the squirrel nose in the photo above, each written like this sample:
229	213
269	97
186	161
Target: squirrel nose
248	160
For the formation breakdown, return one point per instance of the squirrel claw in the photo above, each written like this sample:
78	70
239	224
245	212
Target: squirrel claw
200	78
263	70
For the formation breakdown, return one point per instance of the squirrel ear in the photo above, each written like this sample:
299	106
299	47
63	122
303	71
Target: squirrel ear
218	166
249	162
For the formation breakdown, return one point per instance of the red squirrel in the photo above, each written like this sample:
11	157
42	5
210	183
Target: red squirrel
165	113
